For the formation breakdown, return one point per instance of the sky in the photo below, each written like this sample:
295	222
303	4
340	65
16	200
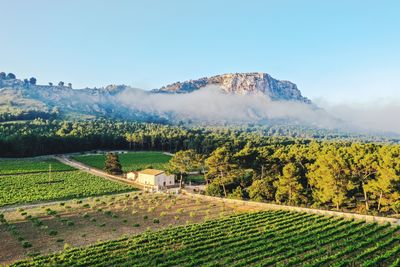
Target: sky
335	51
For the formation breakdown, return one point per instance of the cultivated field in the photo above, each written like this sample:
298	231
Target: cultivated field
270	238
32	165
28	180
131	161
77	223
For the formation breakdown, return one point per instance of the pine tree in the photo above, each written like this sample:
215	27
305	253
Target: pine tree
183	162
112	164
289	188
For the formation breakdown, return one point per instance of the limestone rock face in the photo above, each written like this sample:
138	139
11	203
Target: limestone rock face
242	83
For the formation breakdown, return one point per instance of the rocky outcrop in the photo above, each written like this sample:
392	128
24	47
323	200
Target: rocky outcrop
242	83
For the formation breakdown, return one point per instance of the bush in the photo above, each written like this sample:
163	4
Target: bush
26	244
214	190
155	220
53	232
136	225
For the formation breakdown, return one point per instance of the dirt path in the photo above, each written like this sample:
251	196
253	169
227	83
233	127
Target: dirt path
49	203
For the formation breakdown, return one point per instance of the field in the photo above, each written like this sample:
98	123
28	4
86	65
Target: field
29	180
196	179
131	161
78	223
269	238
25	188
32	165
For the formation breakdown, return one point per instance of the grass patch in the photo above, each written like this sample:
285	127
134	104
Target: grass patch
131	161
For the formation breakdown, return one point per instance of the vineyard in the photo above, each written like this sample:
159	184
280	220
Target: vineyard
129	161
82	222
25	188
271	238
18	166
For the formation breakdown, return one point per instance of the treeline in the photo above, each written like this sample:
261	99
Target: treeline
341	175
19	115
41	137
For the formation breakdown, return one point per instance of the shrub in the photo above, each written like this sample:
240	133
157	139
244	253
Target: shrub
151	209
136	225
145	217
26	244
155	220
53	232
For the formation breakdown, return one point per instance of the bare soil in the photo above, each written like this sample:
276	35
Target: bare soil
98	219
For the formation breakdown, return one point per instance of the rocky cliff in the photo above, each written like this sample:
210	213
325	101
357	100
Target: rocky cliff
243	84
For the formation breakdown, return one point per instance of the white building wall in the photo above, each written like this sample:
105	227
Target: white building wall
165	180
146	179
131	175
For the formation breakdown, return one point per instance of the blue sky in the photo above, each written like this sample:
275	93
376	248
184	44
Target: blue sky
335	50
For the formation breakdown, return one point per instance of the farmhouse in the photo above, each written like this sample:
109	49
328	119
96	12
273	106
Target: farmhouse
152	177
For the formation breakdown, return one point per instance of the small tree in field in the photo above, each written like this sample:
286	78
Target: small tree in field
112	164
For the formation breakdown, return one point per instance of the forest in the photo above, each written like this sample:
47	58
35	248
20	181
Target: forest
239	162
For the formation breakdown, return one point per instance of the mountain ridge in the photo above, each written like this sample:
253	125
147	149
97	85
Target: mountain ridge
124	102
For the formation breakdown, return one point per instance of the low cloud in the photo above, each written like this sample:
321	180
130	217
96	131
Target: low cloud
374	116
211	104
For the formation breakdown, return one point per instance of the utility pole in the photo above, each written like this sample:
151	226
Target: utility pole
50	172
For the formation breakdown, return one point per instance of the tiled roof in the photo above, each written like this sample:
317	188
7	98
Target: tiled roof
151	172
